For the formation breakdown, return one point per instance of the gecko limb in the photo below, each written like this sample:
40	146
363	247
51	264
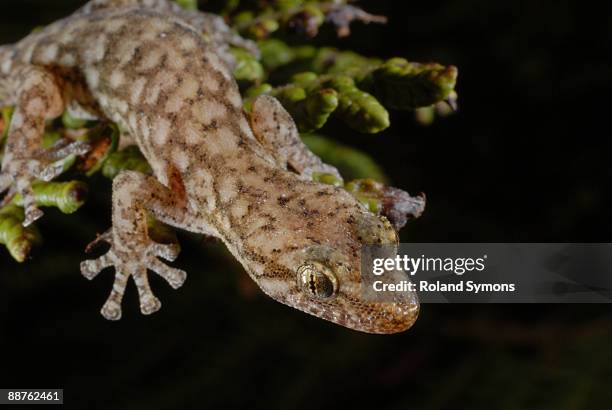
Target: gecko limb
275	129
132	251
39	98
342	15
396	205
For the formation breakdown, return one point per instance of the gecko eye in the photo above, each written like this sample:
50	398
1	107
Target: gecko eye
317	280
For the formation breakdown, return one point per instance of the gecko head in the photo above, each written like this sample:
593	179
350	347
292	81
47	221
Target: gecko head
322	275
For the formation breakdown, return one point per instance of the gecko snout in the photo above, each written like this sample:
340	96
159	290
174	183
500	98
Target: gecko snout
330	287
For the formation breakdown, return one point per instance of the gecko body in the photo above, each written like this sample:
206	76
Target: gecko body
145	65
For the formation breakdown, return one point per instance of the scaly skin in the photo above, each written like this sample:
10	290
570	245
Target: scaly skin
147	68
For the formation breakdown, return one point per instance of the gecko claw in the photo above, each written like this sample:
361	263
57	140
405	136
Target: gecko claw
111	310
31	210
64	148
150	305
45	165
168	252
32	214
50	160
91	268
104	237
51	172
174	277
134	264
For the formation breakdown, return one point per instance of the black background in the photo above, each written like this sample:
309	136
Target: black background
524	160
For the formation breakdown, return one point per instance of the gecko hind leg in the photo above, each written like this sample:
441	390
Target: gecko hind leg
132	251
276	130
38	98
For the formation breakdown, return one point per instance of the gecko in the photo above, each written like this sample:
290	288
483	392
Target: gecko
246	179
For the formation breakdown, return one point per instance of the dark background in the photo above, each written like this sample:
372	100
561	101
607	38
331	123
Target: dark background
525	160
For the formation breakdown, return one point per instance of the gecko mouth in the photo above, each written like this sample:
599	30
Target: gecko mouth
375	318
385	317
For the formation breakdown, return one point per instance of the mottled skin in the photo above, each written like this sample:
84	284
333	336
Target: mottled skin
145	65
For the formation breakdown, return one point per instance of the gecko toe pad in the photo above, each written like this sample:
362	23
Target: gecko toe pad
135	264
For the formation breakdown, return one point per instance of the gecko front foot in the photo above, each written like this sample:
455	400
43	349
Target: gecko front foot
19	174
134	262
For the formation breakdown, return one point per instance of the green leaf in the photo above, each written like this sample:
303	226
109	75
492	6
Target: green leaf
403	85
18	240
68	197
7	114
73	123
130	158
247	67
351	162
357	108
188	4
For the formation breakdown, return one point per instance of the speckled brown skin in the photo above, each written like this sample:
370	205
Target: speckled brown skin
277	132
155	76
